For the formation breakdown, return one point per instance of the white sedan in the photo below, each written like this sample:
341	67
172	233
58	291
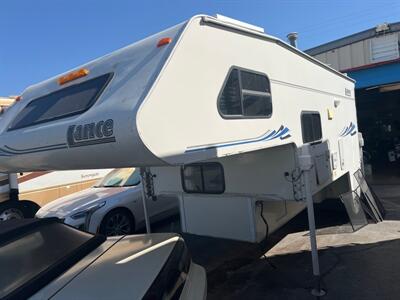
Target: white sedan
112	207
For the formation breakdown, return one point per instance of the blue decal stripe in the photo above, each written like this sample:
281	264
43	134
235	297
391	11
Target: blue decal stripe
343	131
269	135
352	126
36	148
348	129
351	129
9	153
264	136
283	132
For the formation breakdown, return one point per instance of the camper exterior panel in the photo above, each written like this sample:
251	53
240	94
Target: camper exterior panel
254	162
250	178
259	173
63	144
183	124
161	109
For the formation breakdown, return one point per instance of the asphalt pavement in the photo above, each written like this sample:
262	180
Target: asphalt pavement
354	265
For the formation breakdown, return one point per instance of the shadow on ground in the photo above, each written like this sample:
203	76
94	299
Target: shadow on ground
226	261
238	270
351	272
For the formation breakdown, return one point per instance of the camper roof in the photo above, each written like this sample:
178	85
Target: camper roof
144	105
258	32
224	22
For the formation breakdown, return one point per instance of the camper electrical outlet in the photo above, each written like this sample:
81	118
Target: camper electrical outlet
223	114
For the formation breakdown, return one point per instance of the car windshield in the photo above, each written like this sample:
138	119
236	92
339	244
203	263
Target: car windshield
120	177
33	254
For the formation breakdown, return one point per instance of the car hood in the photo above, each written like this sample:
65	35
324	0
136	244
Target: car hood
76	202
124	271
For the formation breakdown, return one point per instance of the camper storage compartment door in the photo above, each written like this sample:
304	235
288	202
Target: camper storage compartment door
228	216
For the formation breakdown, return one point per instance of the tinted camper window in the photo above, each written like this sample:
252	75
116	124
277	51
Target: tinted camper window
245	94
66	102
311	126
206	178
230	100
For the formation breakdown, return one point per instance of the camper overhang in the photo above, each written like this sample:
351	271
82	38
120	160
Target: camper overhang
155	103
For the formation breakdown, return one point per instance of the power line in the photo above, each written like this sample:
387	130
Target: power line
338	19
328	29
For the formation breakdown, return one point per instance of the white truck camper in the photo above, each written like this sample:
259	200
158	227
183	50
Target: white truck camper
241	105
241	126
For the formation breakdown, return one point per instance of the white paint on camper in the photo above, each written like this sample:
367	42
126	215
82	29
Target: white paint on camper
160	124
161	110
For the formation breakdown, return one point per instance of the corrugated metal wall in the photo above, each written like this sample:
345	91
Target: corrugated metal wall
362	53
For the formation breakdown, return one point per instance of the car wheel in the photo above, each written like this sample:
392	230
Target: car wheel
13	210
117	222
30	208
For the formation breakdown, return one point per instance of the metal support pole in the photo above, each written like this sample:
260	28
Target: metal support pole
13	183
143	173
306	166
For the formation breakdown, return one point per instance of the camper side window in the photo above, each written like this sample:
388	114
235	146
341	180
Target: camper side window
206	178
245	94
311	127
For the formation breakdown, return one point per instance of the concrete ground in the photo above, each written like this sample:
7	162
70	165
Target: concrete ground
354	265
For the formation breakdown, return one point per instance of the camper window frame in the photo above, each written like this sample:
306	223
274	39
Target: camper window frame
249	92
202	178
91	103
304	112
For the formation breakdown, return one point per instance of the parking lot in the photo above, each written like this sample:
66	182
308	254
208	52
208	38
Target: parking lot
354	265
219	127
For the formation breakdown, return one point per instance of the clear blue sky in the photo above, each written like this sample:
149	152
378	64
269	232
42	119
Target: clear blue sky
42	38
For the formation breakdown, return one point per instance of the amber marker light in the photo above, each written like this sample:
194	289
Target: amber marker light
72	76
164	41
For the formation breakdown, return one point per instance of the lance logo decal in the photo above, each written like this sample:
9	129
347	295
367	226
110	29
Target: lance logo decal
101	132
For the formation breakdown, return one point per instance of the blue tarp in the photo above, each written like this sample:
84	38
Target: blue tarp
379	75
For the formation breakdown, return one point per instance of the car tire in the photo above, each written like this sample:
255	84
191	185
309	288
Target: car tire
30	208
119	221
11	210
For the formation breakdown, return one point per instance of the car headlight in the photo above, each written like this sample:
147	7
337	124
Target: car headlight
88	211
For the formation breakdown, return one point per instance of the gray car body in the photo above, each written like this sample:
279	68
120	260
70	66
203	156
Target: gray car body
122	268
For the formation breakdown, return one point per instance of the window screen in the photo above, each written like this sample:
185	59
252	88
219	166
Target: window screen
207	178
311	126
66	102
245	95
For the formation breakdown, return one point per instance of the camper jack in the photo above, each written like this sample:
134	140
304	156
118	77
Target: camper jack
306	164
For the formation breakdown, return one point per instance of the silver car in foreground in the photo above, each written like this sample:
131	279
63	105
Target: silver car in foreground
112	207
44	258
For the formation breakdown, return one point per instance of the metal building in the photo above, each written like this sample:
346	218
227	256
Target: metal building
372	58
